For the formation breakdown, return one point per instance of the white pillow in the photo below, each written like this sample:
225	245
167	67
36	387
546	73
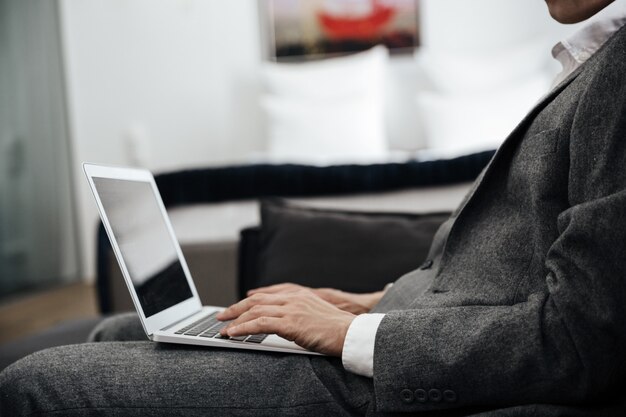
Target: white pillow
329	111
339	77
460	124
341	131
466	73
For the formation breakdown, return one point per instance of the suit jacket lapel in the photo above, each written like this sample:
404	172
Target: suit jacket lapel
518	133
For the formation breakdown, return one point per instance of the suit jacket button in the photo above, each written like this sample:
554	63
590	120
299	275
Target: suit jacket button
421	396
434	395
407	396
449	396
427	264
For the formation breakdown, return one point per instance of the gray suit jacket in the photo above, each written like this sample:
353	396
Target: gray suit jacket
524	302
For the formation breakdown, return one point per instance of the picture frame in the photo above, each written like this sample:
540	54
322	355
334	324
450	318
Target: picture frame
300	30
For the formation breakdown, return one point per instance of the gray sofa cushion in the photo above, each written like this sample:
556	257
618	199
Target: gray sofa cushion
353	251
67	333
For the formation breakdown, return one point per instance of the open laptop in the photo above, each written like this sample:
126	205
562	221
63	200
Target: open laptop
154	268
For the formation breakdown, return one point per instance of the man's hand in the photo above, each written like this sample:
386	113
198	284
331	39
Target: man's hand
299	316
353	303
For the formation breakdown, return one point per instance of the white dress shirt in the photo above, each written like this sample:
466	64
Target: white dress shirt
578	48
358	348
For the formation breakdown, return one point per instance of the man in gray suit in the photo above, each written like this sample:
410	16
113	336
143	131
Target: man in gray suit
519	310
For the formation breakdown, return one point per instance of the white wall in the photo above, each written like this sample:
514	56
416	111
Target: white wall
475	25
182	69
182	75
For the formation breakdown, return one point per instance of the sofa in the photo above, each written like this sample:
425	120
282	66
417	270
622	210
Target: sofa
236	234
210	207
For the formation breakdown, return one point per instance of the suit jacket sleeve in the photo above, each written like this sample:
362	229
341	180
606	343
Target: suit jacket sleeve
564	344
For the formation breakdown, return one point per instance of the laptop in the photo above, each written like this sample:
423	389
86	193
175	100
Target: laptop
154	268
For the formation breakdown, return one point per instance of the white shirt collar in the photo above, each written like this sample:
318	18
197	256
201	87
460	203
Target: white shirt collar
578	48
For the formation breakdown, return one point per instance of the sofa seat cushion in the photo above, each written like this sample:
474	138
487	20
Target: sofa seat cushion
65	333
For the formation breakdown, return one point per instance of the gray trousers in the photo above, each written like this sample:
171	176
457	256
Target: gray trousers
120	373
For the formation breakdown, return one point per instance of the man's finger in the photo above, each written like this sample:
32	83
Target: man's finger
254	313
261	325
246	304
239	308
334	297
271	289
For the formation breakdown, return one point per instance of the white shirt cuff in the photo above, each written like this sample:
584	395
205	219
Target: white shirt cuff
358	348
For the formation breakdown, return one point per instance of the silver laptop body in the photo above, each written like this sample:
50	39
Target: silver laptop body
153	265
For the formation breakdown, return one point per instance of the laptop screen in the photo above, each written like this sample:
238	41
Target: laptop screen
145	243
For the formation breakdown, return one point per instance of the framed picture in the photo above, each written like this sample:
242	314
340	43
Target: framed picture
311	29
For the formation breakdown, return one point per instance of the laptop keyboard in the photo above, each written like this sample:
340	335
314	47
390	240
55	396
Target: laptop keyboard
209	326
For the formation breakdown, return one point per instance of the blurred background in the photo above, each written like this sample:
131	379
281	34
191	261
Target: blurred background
171	85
